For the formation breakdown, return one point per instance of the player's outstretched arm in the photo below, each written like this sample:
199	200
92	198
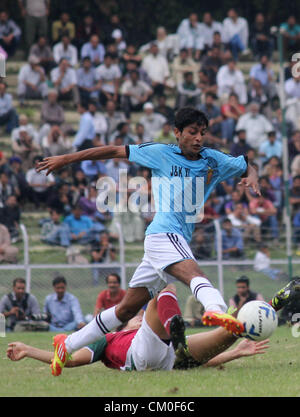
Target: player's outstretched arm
244	348
54	163
251	180
17	351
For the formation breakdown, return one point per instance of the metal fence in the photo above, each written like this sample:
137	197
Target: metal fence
82	282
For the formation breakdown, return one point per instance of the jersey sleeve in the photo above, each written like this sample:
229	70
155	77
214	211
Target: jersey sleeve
149	154
230	166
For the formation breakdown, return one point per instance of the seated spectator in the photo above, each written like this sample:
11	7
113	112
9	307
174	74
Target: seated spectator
212	62
108	80
294	199
24	124
83	230
257	126
93	169
64	80
188	94
118	42
292	87
199	245
44	53
113	118
264	73
294	144
152	122
62	199
17	178
93	49
39	183
243	293
54	231
52	114
236	33
18	304
261	41
291	35
247	224
231	80
65	50
206	83
102	252
208	27
270	147
113	167
157	68
166	134
32	81
8	114
122	135
25	148
265	210
191	35
134	93
110	297
10	216
63	27
235	199
262	263
88	205
85	29
168	45
257	94
140	136
181	64
193	312
55	143
213	113
231	111
232	241
63	308
165	110
130	55
10	33
86	81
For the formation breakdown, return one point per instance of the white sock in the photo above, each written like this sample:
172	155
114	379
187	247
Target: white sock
98	327
209	297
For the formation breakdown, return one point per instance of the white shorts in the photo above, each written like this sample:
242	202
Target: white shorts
161	250
148	351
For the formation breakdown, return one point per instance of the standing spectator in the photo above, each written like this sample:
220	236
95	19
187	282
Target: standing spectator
157	68
188	94
86	132
85	29
36	14
134	93
8	115
39	183
108	80
63	308
94	49
236	32
232	241
113	118
25	148
10	33
110	297
181	64
264	73
265	210
64	49
102	252
257	126
231	111
54	232
32	81
18	304
231	80
243	293
291	35
86	81
63	27
44	53
64	79
152	122
260	39
191	35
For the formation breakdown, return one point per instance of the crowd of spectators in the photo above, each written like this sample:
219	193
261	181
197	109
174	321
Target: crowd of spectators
96	73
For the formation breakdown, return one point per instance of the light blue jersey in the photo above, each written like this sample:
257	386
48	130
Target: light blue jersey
176	182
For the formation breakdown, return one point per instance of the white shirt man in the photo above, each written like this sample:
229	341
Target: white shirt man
69	77
256	125
292	87
40	178
230	79
236	27
156	66
109	75
152	122
65	50
32	74
208	27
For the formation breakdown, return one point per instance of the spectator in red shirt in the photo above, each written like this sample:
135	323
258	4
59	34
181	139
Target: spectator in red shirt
231	111
266	211
110	297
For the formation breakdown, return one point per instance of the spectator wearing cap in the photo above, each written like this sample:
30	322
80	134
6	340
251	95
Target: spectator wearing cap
108	77
93	49
25	148
44	53
119	41
40	184
270	147
134	93
64	49
86	81
152	122
157	68
32	81
65	81
8	115
10	33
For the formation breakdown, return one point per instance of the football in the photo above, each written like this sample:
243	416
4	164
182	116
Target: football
259	320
